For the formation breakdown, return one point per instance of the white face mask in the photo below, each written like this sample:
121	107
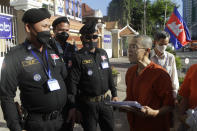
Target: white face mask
161	48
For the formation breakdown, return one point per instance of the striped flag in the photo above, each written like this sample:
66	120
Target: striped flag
177	28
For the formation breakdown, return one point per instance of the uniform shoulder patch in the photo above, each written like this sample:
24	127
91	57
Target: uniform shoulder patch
54	56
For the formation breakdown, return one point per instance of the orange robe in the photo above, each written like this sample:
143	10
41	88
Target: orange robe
189	87
151	88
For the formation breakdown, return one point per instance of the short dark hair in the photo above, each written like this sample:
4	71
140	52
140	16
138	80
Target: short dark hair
161	35
60	20
89	28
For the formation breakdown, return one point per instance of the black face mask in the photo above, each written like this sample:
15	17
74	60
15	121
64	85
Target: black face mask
43	37
62	36
90	45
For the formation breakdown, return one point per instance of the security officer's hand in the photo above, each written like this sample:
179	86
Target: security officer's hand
71	116
115	98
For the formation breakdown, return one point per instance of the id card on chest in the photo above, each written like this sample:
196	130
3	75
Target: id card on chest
105	65
53	84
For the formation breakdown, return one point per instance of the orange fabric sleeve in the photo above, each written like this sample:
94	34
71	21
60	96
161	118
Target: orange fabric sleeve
185	87
128	78
163	88
126	82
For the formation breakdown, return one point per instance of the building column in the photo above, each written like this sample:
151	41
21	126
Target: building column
121	47
115	43
20	29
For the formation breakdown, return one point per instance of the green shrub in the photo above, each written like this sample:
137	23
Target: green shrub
178	62
114	71
181	79
169	49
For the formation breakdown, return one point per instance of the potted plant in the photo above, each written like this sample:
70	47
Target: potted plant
116	76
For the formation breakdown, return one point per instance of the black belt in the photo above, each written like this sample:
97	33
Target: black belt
44	116
95	98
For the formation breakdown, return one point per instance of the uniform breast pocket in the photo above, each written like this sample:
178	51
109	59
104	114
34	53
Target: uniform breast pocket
33	73
56	64
88	70
31	69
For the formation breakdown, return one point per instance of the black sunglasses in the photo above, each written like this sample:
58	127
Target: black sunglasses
89	37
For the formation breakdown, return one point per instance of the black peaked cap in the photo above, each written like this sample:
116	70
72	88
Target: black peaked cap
88	28
35	15
59	20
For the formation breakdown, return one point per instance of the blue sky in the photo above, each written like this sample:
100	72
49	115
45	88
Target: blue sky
103	4
98	4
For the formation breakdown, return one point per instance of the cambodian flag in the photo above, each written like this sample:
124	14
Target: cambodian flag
177	28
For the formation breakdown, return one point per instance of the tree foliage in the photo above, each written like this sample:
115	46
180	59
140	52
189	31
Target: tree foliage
119	10
158	11
133	12
136	14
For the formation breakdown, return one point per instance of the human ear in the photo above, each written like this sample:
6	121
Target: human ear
27	27
148	50
81	37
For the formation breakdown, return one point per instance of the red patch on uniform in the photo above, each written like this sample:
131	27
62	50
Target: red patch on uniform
54	56
103	57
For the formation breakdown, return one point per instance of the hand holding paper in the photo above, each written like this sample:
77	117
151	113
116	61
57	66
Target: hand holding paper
135	107
126	106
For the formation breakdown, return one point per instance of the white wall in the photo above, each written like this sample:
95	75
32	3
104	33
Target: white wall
109	52
107	42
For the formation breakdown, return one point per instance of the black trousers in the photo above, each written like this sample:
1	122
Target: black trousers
94	113
35	124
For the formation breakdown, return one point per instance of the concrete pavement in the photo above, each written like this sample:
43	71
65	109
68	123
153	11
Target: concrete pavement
121	124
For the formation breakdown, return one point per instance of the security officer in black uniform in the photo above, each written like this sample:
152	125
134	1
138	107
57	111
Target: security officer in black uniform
40	74
61	27
91	76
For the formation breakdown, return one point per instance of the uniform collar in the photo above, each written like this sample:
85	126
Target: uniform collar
66	44
30	46
88	52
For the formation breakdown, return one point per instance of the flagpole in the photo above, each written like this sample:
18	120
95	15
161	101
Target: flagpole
165	16
144	17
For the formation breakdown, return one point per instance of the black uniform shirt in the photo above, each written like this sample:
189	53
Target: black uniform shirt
21	68
90	74
67	51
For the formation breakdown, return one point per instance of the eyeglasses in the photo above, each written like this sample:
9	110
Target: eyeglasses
90	37
134	47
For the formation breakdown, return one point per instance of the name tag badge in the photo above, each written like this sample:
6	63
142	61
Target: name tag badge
53	84
105	65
